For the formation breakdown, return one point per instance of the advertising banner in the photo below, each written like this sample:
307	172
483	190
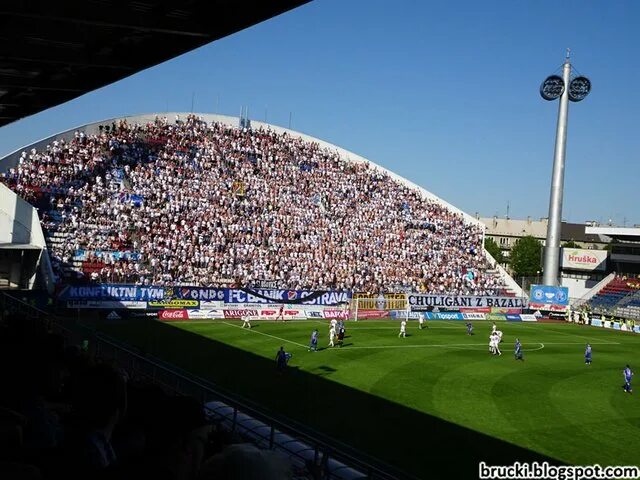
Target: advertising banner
205	314
297	297
173	315
209	305
371	314
636	329
404	314
111	292
478	310
226	295
445	316
583	259
338	314
313	314
82	255
287	313
548	294
174	303
528	317
110	304
548	307
294	314
513	318
241	313
196	293
427	302
474	316
596	322
244	306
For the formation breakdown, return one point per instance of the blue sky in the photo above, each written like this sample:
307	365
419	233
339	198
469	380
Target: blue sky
443	93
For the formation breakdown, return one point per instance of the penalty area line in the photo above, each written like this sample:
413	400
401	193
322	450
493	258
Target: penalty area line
266	334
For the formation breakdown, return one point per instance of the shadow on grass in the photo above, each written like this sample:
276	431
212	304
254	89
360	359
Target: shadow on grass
412	441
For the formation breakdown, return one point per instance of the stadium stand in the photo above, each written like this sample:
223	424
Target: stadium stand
78	408
64	413
198	203
620	297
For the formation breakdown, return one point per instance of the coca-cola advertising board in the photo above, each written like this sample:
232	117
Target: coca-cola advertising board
173	315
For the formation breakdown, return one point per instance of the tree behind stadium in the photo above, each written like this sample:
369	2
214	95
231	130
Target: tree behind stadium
525	256
496	252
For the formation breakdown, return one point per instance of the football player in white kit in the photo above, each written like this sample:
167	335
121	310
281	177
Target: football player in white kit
333	323
493	329
332	335
496	344
403	329
246	321
421	316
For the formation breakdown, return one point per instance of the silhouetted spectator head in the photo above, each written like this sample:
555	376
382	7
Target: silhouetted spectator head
100	398
244	461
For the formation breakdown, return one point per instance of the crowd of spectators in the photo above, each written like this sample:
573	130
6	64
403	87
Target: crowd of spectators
66	414
203	203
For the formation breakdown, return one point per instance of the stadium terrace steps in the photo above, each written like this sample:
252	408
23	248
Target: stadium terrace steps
629	306
617	296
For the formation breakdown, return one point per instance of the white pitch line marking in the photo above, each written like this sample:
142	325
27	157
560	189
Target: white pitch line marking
459	345
581	343
267	335
352	327
534	349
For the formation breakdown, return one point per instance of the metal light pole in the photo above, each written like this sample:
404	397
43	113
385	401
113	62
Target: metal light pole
566	89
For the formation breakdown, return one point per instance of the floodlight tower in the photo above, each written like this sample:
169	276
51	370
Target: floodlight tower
566	89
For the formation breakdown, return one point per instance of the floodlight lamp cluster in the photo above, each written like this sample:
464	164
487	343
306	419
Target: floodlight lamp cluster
553	87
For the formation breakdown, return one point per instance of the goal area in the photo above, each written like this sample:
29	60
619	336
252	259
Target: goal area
379	306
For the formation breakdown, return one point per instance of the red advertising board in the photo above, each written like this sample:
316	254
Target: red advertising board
342	314
286	313
547	307
173	315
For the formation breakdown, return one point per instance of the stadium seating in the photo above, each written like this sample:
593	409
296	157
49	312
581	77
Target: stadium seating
195	203
620	297
67	414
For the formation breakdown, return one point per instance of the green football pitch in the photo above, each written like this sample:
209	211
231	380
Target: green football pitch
433	400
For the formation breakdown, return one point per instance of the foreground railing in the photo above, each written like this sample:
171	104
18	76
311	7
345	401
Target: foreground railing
303	445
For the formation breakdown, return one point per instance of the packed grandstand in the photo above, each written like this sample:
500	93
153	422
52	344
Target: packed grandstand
202	203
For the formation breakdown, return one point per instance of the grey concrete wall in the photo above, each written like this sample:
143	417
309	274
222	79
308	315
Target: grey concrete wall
19	222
